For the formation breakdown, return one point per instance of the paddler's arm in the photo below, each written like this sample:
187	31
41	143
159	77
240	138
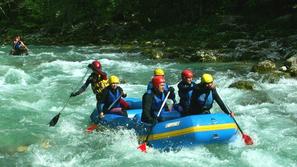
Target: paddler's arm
220	102
146	115
83	88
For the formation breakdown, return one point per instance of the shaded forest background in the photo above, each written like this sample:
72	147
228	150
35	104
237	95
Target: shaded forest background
118	21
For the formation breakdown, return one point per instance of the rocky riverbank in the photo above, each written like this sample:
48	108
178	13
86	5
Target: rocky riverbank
223	39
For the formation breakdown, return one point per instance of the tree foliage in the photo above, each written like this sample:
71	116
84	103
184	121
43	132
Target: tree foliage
68	16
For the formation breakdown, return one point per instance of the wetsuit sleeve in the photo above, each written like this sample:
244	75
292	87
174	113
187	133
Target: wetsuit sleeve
220	102
104	99
122	92
149	86
146	115
84	86
193	104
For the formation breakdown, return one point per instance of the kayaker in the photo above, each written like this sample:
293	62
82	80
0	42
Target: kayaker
98	80
18	46
203	96
152	101
185	89
160	72
111	98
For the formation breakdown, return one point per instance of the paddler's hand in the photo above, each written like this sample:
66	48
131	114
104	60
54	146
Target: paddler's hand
101	115
73	94
124	95
232	114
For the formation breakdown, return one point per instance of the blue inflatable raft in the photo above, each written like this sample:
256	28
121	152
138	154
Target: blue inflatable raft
176	131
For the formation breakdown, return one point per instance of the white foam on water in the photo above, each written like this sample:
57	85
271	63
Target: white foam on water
16	77
131	67
260	158
73	68
100	56
134	90
49	54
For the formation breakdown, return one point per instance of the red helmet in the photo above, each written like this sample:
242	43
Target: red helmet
187	73
96	65
157	80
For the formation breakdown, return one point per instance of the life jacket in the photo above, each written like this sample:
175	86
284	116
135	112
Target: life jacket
185	97
17	46
157	103
111	97
98	84
205	100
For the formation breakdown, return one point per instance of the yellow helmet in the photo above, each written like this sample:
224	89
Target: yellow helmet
159	71
206	78
114	80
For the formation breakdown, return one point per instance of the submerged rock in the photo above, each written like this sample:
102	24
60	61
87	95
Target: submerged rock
246	85
255	97
275	76
45	144
22	148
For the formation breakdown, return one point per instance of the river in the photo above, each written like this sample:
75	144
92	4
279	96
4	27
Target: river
34	88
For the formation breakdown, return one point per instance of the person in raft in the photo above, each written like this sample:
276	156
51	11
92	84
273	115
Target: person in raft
203	96
152	101
185	90
111	98
98	80
160	72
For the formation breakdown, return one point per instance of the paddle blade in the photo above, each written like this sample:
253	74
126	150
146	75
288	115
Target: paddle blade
247	139
142	147
91	128
54	120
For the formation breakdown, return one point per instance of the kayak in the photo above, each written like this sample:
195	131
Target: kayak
175	131
19	52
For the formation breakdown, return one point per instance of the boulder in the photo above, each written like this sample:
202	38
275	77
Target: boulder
292	61
157	54
203	56
246	85
293	71
265	66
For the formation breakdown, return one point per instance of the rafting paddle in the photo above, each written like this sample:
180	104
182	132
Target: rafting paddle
92	127
142	147
55	119
246	138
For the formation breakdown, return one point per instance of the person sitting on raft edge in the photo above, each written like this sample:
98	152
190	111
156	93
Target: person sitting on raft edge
203	96
152	101
111	98
185	90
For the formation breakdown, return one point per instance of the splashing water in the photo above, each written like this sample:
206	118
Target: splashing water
34	88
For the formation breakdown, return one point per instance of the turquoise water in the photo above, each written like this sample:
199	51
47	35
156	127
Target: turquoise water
34	88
